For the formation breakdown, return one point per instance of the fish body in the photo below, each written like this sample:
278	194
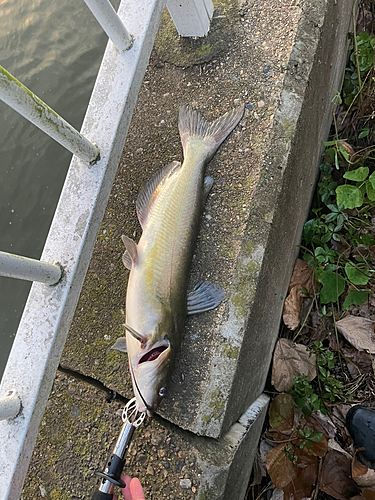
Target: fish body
169	208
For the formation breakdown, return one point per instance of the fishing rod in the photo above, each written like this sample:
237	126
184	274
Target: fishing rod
111	475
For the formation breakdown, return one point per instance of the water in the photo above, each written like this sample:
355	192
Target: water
54	47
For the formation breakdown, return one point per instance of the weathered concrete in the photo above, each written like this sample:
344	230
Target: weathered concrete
78	432
284	60
264	177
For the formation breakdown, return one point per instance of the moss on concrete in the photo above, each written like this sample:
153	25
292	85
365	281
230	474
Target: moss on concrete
185	52
229	351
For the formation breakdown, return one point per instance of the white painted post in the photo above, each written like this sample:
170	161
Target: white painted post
110	22
25	102
191	17
24	268
10	405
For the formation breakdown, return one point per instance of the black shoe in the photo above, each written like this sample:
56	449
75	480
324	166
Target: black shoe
360	422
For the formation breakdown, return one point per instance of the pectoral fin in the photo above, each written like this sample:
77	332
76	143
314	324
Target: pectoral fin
120	345
204	297
127	260
130	257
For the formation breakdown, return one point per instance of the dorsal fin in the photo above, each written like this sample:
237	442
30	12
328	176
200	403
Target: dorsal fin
131	250
151	190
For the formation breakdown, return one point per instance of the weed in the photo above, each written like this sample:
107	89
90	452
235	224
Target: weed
310	437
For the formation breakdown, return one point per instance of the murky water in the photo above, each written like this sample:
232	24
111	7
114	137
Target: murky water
54	47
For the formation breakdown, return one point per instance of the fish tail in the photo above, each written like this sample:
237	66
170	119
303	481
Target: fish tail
194	127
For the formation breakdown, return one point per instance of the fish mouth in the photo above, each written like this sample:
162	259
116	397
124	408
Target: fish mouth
153	354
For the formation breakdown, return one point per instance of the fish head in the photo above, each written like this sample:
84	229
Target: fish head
150	369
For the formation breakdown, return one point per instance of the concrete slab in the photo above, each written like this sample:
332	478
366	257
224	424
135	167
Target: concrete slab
80	427
283	59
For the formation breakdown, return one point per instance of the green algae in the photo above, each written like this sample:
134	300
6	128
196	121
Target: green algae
246	278
229	351
217	403
185	52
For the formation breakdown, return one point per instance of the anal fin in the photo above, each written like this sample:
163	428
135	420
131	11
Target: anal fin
204	297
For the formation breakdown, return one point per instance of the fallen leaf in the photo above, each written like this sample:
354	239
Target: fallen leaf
281	412
334	476
334	445
275	436
259	470
366	480
358	362
292	308
347	148
310	443
302	278
359	332
339	414
291	360
358	469
368	495
279	467
322	423
303	485
303	275
277	494
264	448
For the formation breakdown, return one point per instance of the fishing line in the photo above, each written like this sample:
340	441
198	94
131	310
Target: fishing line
150	408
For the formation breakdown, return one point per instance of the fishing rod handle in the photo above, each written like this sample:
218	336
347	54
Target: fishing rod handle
100	495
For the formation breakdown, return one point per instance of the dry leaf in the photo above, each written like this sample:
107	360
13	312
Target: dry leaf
334	445
358	469
302	277
303	485
279	467
366	480
368	495
322	423
281	412
259	470
339	414
334	476
277	494
291	360
292	308
358	362
347	148
359	332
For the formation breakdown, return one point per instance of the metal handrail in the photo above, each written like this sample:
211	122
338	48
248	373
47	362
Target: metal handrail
44	325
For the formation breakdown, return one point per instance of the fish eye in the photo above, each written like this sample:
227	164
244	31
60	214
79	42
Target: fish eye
162	391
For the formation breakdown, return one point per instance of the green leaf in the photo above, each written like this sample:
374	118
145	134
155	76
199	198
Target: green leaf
355	298
333	286
370	191
345	154
365	132
355	275
316	437
281	412
349	196
372	179
358	175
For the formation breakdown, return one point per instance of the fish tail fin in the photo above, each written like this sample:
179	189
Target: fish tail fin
194	127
